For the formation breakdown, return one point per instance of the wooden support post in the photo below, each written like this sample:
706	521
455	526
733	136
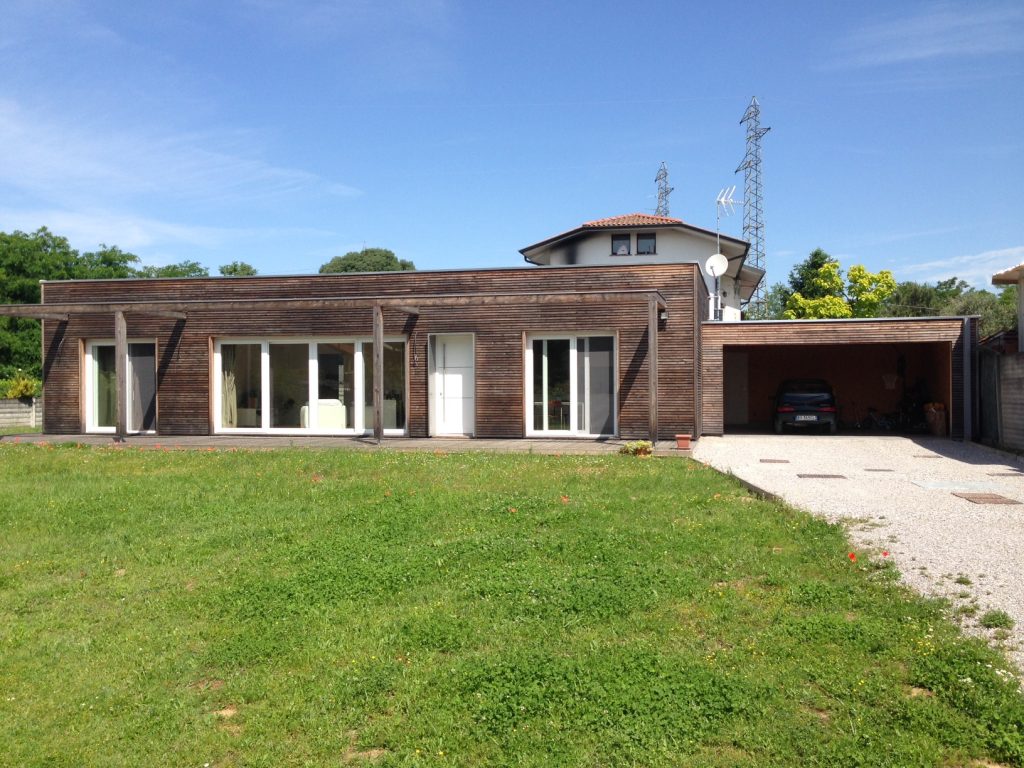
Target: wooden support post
121	371
968	394
378	372
652	366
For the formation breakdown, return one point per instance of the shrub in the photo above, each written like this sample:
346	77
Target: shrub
20	386
637	448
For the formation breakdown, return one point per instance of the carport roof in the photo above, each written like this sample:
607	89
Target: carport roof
840	320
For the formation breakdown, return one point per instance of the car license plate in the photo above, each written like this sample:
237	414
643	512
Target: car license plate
806	417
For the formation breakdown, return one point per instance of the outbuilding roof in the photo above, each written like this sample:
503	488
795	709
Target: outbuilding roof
1009	276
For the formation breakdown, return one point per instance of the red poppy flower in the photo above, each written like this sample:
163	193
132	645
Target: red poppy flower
853	557
885	553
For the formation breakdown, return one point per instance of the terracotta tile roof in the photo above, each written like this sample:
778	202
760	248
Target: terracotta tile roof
630	220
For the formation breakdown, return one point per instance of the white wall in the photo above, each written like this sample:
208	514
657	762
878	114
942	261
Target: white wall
673	247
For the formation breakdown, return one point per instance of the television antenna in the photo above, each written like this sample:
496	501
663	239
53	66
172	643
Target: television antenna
717	264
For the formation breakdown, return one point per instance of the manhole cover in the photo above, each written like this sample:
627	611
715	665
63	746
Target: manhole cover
869	469
986	498
775	461
824	477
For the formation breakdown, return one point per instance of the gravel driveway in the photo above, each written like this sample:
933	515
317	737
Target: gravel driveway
897	494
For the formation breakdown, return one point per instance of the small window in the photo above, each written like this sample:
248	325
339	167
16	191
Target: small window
620	245
645	244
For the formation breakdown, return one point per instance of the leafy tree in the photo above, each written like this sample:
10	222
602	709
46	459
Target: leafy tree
997	312
912	299
866	291
819	290
825	297
181	269
955	297
25	259
367	260
1008	304
107	262
774	306
237	269
803	277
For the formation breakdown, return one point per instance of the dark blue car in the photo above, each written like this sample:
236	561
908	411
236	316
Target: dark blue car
805	403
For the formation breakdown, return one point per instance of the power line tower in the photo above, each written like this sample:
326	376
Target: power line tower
664	190
753	201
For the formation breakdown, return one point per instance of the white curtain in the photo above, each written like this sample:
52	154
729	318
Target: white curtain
229	391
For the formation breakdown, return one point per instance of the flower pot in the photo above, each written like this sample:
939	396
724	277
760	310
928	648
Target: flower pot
683	442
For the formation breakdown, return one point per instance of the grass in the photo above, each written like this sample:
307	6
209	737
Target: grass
21	430
298	607
996	619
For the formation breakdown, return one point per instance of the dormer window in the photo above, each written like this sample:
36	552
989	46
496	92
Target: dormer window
620	245
645	245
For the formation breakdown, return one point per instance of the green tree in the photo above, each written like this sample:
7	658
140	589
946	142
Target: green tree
867	291
997	313
367	260
237	269
819	291
912	299
774	306
181	269
105	263
803	278
25	259
1008	304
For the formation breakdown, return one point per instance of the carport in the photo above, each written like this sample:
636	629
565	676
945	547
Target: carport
876	366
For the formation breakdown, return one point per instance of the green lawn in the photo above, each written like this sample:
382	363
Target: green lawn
296	607
20	430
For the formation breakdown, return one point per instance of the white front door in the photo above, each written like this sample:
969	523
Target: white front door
454	385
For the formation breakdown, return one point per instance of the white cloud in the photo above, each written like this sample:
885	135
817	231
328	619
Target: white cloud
977	269
936	31
66	161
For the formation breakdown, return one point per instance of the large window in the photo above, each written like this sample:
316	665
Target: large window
306	385
645	244
101	386
571	385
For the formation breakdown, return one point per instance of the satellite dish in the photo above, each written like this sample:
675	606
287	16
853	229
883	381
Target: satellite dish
716	265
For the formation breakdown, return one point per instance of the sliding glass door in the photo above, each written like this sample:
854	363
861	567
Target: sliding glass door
306	385
101	386
570	385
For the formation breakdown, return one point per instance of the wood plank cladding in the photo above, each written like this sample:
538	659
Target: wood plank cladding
807	334
183	345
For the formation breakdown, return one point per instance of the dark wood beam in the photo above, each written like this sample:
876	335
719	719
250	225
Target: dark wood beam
176	308
652	368
378	372
160	313
121	374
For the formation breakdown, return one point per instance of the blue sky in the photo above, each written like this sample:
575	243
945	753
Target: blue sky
284	132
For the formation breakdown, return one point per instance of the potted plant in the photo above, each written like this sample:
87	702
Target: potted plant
683	442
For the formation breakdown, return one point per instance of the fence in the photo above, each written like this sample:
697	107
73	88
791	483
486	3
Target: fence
1001	399
21	413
